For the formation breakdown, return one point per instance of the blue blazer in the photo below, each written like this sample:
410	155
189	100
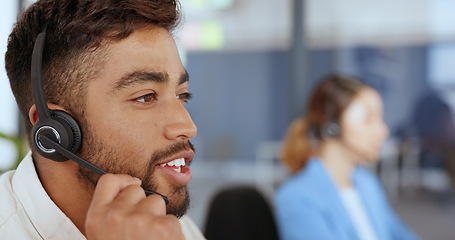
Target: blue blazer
308	207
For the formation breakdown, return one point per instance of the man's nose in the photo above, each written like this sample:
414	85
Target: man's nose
179	123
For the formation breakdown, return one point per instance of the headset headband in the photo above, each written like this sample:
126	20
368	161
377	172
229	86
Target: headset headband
36	76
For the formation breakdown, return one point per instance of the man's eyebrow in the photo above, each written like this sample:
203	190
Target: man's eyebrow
145	76
185	77
140	77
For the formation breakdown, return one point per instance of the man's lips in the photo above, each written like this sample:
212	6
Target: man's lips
186	155
176	167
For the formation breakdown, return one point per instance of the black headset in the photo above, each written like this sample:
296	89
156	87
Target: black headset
331	128
56	134
56	125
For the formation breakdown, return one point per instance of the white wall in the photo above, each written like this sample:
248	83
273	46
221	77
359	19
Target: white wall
266	24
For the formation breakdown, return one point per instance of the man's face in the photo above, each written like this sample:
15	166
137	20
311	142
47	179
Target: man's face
135	120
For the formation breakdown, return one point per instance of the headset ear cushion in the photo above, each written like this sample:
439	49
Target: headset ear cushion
330	130
61	127
71	126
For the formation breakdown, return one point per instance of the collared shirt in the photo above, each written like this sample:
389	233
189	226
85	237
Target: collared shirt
356	210
27	212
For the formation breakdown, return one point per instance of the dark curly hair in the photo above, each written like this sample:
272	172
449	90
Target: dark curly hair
72	55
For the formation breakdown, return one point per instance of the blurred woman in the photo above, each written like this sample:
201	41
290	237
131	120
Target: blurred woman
330	196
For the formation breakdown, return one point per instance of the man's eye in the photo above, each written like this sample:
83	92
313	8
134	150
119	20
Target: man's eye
146	98
185	96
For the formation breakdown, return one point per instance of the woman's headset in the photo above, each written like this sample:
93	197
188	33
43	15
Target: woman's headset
331	128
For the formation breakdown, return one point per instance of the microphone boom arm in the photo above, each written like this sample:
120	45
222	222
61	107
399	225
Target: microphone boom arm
46	141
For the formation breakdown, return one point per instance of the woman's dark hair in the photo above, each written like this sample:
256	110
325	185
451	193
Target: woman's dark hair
326	104
72	55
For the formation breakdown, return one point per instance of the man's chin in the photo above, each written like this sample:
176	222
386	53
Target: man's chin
179	203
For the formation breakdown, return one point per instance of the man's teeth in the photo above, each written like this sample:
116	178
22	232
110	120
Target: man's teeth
177	163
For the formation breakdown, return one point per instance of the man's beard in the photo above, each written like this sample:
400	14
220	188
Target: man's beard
114	161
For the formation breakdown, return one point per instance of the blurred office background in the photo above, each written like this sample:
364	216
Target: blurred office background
252	64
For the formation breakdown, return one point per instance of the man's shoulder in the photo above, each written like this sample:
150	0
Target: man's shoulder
190	230
8	206
11	211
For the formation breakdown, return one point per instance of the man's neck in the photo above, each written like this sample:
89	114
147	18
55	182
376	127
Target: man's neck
61	183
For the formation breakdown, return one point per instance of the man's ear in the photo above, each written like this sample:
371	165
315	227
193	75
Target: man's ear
33	113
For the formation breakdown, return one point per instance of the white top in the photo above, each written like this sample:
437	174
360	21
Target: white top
356	210
27	212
